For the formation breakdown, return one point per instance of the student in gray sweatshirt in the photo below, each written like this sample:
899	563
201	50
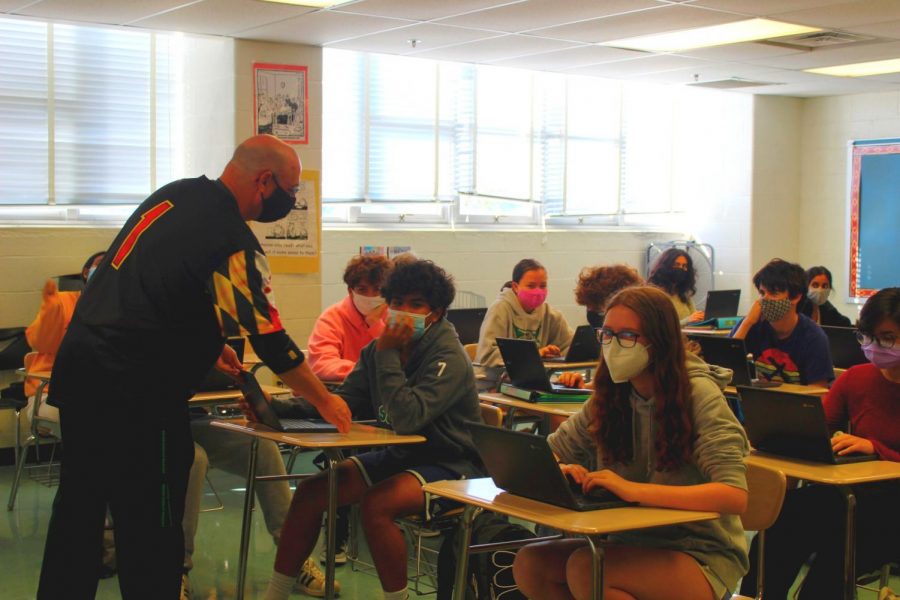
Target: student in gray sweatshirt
416	379
657	431
521	312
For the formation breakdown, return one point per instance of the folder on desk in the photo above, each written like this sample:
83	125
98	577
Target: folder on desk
508	389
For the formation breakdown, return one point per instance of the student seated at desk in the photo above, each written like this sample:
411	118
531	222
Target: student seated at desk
521	311
596	285
785	345
816	305
674	274
656	431
417	379
341	332
812	518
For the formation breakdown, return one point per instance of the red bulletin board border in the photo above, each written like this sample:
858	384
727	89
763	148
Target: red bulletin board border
293	68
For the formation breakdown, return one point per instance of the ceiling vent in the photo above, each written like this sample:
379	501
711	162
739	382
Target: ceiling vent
732	83
821	39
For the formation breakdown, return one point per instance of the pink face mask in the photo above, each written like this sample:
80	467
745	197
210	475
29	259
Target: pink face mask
531	298
883	358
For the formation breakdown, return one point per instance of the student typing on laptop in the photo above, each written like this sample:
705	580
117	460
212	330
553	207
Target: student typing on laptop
785	345
656	431
416	379
811	521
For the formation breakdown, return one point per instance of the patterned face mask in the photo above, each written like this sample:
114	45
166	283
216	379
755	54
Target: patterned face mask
775	310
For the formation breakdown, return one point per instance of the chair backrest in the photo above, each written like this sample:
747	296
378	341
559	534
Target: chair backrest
766	489
28	359
491	415
470	350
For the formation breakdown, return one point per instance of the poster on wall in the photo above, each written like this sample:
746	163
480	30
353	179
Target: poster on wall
292	244
280	95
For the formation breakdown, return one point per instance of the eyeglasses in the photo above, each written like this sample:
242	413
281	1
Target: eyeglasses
626	339
886	342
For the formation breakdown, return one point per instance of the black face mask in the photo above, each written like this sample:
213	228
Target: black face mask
277	206
595	319
678	275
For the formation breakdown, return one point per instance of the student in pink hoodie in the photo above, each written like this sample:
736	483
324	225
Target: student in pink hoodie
346	327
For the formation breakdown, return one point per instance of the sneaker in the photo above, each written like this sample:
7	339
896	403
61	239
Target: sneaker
185	588
340	554
311	580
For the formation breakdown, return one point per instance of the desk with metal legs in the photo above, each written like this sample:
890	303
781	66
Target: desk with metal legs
482	494
843	477
360	436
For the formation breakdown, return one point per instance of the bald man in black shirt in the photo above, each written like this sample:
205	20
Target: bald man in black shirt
184	272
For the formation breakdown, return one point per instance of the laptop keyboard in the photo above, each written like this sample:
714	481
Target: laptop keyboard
306	425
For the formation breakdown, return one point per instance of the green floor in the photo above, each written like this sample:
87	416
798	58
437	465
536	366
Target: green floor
215	558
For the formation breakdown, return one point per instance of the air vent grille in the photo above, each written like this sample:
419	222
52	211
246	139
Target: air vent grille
732	83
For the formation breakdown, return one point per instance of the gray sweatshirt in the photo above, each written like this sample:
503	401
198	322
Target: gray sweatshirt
507	319
432	395
718	456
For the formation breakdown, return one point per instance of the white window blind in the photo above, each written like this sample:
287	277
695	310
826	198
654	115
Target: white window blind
86	113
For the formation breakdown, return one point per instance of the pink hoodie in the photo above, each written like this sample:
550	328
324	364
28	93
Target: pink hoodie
337	338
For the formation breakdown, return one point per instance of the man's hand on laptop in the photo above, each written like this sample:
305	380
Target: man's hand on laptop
228	362
576	473
844	443
335	411
549	351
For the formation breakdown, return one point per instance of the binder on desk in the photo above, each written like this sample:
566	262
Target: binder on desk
718	323
507	389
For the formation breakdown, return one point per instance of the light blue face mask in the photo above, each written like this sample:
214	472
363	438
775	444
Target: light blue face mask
90	274
418	321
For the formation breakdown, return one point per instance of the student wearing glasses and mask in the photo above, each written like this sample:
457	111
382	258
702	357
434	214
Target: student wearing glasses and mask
785	345
817	307
674	274
865	400
656	431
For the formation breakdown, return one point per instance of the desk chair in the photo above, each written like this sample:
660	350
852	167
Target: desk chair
471	349
35	438
766	488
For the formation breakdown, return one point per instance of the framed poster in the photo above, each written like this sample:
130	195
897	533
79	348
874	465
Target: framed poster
280	94
292	244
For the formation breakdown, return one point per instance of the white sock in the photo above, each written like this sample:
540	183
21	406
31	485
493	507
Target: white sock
280	587
398	595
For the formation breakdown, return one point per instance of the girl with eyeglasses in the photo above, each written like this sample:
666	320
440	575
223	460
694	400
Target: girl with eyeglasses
656	431
866	401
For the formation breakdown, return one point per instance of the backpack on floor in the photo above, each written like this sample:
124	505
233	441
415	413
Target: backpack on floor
490	573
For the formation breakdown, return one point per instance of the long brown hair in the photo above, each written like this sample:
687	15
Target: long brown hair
611	410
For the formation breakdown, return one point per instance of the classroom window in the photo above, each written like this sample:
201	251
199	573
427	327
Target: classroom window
86	113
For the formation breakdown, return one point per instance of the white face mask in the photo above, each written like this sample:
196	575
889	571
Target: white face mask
625	363
819	296
366	304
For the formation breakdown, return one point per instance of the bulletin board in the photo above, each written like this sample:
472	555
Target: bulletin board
293	244
874	216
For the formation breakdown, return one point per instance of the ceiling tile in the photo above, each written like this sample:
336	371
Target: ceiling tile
580	56
884	29
667	18
428	36
112	12
320	28
493	49
222	17
638	66
420	10
826	57
535	14
740	52
846	14
762	8
12	5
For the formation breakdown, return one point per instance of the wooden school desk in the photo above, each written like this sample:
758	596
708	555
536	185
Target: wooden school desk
360	436
545	409
794	388
841	476
483	494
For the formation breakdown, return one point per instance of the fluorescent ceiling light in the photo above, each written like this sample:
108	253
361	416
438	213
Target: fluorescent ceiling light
311	3
715	35
875	67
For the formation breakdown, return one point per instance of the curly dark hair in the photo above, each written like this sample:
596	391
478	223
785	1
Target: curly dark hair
367	268
662	275
420	277
885	304
782	276
611	412
596	285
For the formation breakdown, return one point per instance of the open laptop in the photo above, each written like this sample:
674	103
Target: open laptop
523	464
584	347
730	353
217	381
791	425
845	349
265	415
719	305
467	322
525	368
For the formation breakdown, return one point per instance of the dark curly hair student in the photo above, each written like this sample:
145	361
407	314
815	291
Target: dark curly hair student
366	269
424	277
674	274
596	285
